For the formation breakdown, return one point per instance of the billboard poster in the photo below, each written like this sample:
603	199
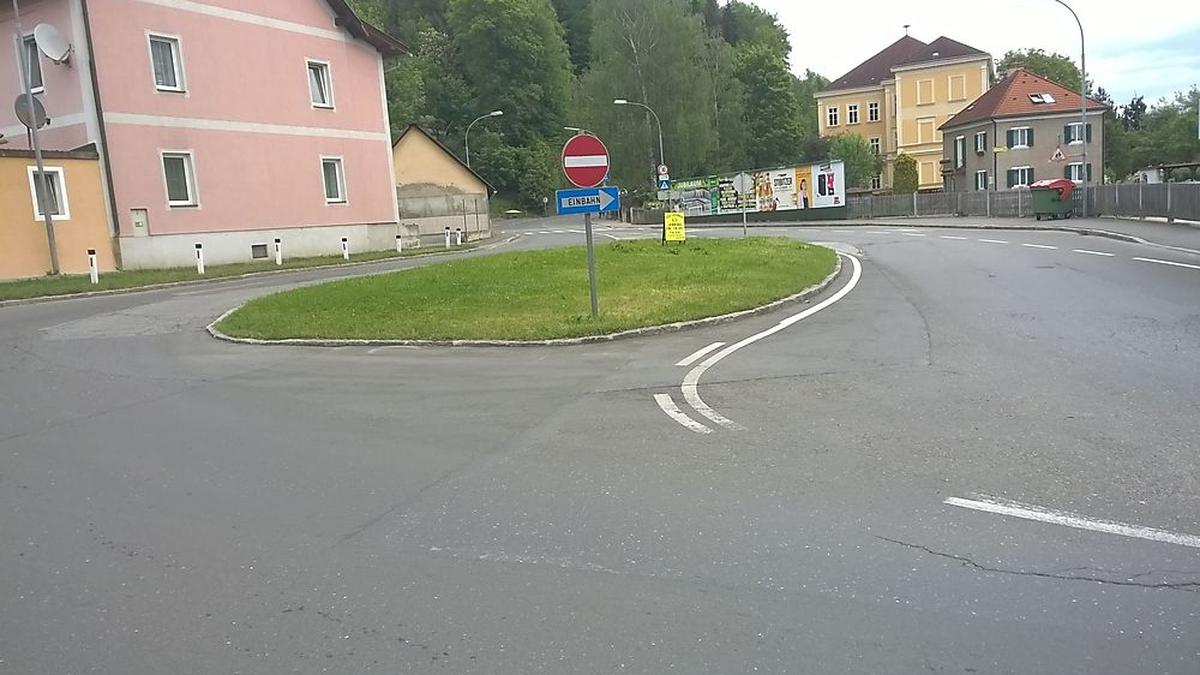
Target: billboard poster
808	186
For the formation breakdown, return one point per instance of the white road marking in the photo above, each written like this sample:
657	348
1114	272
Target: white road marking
993	241
876	232
1168	262
1004	508
951	236
1087	252
560	232
577	231
376	350
605	234
912	234
700	353
545	232
691	381
1050	248
668	406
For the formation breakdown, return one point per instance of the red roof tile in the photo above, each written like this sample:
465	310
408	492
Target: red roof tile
1010	98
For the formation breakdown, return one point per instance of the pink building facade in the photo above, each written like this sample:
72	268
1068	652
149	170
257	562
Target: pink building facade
225	123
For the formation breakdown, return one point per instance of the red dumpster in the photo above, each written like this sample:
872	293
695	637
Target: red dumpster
1052	198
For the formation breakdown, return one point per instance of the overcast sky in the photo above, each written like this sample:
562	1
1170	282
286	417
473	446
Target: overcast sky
1134	47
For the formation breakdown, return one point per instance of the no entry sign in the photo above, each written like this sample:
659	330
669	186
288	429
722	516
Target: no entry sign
585	161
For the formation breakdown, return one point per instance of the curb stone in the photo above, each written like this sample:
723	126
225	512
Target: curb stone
801	296
238	277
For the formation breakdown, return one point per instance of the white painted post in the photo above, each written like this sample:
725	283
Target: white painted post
458	236
345	248
278	251
399	243
914	203
447	236
93	270
199	258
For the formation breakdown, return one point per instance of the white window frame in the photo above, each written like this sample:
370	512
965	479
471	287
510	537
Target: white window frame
960	151
64	205
1082	172
877	182
189	172
982	173
852	113
1020	146
176	43
327	71
876	144
981	141
37	56
340	162
1082	133
1019	184
873	111
831	116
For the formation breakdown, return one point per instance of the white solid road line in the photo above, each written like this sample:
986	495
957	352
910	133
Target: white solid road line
951	236
1168	262
668	406
1087	252
990	505
1050	248
696	355
993	241
691	381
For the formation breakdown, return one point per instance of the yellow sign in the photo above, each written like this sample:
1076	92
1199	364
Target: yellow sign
673	230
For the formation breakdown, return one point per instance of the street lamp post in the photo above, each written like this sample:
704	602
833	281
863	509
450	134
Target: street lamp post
467	140
1082	105
662	158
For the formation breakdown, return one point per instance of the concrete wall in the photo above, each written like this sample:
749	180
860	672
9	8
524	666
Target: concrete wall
23	248
179	250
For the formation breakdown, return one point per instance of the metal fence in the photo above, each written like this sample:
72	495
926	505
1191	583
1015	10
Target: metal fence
1137	200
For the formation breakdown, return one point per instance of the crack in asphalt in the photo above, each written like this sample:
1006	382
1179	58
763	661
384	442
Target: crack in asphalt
1189	586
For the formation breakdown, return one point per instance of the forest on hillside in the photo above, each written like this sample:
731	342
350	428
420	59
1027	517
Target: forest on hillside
718	75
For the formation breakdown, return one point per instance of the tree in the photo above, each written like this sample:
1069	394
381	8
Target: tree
862	163
743	24
806	104
904	175
1050	65
1132	114
576	19
772	114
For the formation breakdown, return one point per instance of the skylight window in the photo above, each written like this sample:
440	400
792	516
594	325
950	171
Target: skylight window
1041	98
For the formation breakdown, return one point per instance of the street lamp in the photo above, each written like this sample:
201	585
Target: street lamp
578	130
1082	104
494	113
662	158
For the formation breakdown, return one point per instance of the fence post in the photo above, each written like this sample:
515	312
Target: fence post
958	209
1170	218
1141	212
914	203
987	202
1117	200
1020	206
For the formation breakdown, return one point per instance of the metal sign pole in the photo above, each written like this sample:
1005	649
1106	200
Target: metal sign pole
39	184
591	262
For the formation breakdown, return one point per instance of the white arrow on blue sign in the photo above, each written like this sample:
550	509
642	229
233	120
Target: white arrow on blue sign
591	200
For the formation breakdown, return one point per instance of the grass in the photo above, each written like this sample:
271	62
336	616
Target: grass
75	283
537	295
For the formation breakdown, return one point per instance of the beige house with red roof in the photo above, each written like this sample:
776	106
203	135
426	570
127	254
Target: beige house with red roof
1024	129
899	97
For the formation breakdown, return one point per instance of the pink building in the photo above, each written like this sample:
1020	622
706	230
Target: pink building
227	123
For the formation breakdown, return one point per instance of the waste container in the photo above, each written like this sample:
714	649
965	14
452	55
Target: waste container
1052	198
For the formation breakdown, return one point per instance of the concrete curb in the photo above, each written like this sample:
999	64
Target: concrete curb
559	342
238	277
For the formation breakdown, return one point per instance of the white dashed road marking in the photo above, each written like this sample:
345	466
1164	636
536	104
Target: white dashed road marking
699	353
1050	248
950	236
1087	252
1168	262
993	241
912	234
1015	510
668	406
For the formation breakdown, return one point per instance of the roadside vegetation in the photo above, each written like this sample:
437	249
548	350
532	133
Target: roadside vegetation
538	295
67	284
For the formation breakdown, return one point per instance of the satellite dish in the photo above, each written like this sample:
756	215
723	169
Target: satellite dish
51	42
32	116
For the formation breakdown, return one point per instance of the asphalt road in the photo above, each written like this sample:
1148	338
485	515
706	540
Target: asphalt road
174	504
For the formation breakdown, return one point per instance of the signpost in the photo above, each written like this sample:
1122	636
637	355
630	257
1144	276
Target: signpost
585	163
673	226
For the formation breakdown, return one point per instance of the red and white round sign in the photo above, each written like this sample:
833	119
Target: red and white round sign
585	161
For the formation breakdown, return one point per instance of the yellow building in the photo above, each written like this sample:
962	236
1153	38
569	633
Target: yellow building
76	203
436	190
899	97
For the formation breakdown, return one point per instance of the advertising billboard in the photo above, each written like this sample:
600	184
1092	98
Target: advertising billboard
808	186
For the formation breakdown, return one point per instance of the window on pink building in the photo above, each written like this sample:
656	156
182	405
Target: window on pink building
167	63
320	86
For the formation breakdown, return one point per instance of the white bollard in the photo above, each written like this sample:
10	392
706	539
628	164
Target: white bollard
447	236
458	237
399	243
93	270
278	251
345	248
199	258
